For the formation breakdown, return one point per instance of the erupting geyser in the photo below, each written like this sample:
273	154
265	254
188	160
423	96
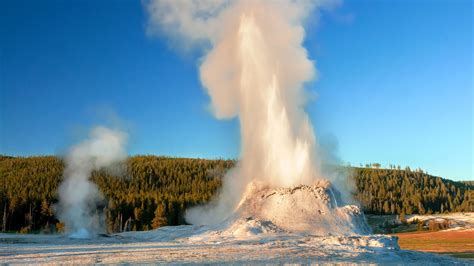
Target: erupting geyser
255	70
78	195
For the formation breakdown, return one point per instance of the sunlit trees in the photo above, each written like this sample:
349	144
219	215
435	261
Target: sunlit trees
410	192
160	217
155	191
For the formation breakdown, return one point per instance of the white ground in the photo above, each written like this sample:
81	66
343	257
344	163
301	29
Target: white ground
302	224
456	221
188	244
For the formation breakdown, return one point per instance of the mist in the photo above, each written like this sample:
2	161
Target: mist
78	195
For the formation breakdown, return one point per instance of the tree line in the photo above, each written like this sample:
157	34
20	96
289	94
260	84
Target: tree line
393	191
155	191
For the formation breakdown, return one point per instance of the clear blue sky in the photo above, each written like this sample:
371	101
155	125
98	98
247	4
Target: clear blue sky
395	82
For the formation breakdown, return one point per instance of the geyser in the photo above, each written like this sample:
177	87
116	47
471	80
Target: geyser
255	70
78	195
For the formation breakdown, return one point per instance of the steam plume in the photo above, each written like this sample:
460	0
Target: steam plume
78	195
255	69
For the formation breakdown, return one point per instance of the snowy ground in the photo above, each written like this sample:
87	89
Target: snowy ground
191	244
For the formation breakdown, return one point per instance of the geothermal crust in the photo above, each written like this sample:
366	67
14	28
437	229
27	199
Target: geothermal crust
302	209
301	224
311	215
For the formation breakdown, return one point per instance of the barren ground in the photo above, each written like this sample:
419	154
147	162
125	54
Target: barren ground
245	241
156	247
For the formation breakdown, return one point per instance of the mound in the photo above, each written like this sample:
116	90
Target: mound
303	217
300	209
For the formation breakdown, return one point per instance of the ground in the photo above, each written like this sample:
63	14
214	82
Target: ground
249	240
458	243
187	244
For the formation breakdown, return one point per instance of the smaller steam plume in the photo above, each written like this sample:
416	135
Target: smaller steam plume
78	195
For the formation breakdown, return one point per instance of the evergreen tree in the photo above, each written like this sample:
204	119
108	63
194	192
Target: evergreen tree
160	217
29	190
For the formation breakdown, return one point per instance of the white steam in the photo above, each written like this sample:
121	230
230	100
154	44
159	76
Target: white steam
255	69
78	195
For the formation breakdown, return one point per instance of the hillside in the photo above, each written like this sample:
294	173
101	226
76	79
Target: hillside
155	191
393	191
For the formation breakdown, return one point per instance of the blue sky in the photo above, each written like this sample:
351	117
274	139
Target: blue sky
395	83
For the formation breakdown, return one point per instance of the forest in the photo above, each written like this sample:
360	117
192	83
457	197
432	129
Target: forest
155	191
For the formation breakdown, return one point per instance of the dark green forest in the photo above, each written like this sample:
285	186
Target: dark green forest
155	191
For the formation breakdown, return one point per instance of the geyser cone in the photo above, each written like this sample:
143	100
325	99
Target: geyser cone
309	209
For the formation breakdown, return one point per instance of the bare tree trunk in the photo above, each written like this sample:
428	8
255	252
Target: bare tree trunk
128	224
4	225
11	218
121	228
31	218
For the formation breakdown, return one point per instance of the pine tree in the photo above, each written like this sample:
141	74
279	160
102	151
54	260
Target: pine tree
386	207
160	217
29	188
